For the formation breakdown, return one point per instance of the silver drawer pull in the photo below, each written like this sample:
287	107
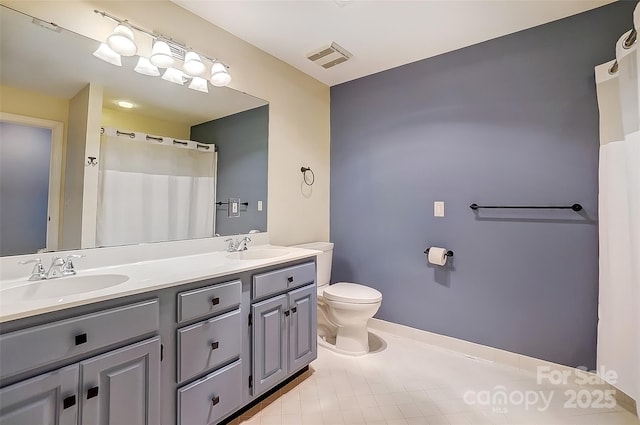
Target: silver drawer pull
215	345
215	400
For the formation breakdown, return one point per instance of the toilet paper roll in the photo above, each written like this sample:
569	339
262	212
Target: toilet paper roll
437	256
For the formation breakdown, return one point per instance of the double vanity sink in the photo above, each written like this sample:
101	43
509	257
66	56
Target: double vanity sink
21	297
182	340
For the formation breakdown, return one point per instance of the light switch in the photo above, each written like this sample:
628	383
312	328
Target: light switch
438	209
259	205
233	207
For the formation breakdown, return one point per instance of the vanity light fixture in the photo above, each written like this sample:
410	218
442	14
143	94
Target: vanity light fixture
121	40
193	65
165	53
219	75
145	67
200	84
174	75
105	53
161	55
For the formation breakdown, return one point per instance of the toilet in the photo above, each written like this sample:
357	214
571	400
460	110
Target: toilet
343	308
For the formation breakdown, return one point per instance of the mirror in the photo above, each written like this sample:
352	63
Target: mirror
54	196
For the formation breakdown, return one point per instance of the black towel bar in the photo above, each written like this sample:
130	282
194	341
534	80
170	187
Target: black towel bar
246	204
574	207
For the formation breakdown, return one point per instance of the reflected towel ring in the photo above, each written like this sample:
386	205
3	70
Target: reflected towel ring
304	171
631	39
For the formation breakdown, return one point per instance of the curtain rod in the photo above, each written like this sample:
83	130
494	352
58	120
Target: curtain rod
166	141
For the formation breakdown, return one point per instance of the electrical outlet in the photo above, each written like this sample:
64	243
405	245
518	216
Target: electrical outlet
259	205
438	209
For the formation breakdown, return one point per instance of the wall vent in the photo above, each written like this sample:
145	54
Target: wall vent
329	56
178	51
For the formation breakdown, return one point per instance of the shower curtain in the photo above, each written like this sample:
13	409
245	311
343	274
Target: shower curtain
154	189
618	89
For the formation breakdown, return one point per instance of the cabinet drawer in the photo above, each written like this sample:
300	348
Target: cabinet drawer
209	399
208	300
40	345
280	280
209	344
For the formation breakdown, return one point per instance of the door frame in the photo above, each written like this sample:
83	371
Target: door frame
55	171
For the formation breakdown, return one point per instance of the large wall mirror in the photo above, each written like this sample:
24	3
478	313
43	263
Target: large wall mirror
164	162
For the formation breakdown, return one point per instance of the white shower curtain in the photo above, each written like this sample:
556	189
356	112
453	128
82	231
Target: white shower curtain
618	89
152	193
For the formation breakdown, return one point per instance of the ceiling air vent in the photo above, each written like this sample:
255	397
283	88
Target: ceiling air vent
330	56
178	51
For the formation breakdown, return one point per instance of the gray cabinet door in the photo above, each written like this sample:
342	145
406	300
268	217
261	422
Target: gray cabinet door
303	347
122	386
269	342
49	399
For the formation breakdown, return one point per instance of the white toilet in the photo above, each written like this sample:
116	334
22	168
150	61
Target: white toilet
343	308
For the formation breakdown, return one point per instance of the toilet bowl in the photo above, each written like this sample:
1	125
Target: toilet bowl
343	308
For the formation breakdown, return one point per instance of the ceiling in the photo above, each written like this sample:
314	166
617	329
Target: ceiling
380	34
61	63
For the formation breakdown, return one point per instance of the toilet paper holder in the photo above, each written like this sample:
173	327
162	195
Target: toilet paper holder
448	254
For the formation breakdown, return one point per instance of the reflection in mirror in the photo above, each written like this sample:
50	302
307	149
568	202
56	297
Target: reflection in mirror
99	188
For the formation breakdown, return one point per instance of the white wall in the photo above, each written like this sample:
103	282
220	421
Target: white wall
298	104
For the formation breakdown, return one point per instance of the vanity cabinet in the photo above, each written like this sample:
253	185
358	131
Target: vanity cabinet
284	326
193	354
212	346
120	386
48	399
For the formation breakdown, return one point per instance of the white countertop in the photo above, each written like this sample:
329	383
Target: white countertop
145	276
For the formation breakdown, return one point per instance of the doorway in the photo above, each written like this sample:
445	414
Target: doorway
30	178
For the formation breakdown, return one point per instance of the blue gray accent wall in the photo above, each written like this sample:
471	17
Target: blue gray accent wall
242	141
510	121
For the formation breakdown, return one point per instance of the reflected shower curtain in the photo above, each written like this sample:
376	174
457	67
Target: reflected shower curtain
152	193
618	90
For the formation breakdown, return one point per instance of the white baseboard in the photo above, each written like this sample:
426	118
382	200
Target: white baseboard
521	362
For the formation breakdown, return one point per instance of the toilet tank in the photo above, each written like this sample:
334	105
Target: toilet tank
323	260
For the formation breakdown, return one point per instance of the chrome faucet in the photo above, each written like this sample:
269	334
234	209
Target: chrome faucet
38	272
237	245
67	269
56	268
241	245
60	267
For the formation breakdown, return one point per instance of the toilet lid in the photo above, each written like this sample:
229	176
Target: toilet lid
352	293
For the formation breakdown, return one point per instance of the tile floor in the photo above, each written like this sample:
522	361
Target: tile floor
409	382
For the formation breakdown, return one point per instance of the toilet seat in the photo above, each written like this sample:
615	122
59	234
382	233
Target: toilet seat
352	293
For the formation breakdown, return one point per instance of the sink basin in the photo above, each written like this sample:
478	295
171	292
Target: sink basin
64	286
258	254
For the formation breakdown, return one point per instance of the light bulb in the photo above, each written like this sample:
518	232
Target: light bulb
161	55
219	75
105	53
124	104
199	84
121	40
174	75
193	64
145	67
